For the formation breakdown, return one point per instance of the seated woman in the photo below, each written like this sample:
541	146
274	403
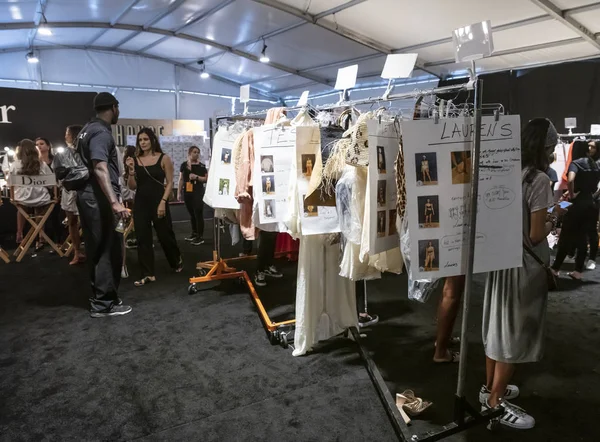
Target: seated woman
28	162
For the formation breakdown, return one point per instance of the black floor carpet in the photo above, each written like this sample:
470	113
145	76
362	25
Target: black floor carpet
199	368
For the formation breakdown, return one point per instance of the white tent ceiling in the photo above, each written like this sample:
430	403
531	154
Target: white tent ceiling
308	40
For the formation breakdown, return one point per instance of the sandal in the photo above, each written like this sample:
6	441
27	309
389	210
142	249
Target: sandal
410	405
454	340
145	280
454	356
575	278
179	268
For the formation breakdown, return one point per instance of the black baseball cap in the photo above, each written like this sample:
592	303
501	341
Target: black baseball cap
104	99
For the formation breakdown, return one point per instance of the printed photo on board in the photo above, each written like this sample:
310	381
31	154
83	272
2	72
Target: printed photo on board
381	193
226	156
269	208
223	186
308	162
392	228
381	159
426	169
461	167
309	209
381	224
429	213
429	255
266	164
268	184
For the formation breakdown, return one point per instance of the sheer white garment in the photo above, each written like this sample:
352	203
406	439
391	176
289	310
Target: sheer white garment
325	302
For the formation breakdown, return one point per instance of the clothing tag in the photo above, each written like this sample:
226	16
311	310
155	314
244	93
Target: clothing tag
189	187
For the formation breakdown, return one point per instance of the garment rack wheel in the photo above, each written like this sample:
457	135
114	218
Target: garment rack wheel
192	289
284	340
202	272
274	337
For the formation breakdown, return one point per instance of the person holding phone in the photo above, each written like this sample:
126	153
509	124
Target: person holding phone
583	178
152	178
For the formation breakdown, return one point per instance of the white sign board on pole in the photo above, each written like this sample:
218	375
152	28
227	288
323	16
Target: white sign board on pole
245	93
346	77
220	189
473	42
274	150
438	171
384	142
303	99
399	66
595	129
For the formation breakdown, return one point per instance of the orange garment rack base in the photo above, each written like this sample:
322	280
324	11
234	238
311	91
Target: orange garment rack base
218	269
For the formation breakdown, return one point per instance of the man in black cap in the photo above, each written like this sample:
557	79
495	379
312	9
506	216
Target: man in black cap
100	208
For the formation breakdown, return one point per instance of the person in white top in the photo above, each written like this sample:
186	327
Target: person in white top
68	203
28	162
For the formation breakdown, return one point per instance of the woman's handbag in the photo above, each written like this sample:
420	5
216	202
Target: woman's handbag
552	280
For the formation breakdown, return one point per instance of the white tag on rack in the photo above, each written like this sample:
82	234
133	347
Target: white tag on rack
346	77
570	123
303	99
473	42
399	66
595	129
245	93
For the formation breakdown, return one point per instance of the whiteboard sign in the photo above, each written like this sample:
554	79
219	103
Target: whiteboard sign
438	175
31	180
382	185
570	123
303	99
473	42
399	66
595	129
346	77
245	93
221	185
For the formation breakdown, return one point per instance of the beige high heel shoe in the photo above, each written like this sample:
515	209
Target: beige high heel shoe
409	404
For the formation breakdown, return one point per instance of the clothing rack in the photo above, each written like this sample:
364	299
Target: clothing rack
465	415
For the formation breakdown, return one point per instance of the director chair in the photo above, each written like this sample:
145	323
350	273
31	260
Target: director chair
37	220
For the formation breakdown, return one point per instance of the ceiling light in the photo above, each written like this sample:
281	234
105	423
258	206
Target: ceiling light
203	74
60	149
31	58
44	30
263	55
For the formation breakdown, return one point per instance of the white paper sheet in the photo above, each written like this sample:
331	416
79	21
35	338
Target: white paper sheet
437	167
221	189
274	150
318	219
384	142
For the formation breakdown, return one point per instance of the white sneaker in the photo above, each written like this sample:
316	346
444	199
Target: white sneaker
512	392
259	279
513	417
124	272
591	265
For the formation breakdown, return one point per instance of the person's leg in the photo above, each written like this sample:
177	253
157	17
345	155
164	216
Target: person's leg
143	227
266	250
73	223
98	228
586	220
490	369
446	316
199	214
20	227
166	237
503	373
188	199
566	240
593	234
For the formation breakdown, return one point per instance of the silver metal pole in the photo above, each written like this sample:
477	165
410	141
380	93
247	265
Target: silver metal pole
365	285
475	150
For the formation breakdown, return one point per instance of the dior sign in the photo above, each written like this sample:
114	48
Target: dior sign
31	180
4	117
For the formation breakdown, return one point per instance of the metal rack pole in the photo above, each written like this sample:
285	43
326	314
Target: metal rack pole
475	154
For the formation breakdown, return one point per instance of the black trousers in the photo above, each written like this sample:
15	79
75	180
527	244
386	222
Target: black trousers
144	217
247	246
360	296
103	247
195	207
577	224
266	250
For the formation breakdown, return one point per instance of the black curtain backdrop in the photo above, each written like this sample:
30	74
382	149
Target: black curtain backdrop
555	92
42	114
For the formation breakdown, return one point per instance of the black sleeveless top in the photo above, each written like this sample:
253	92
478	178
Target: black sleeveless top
150	181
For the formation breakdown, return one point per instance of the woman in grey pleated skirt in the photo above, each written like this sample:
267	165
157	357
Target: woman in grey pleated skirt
514	311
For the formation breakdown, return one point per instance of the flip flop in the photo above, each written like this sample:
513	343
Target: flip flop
145	280
454	357
574	278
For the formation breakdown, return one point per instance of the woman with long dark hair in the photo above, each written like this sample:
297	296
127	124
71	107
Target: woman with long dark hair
152	178
192	176
514	309
582	183
68	202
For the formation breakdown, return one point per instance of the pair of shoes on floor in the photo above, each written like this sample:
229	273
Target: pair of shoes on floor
197	241
115	310
512	416
191	238
260	279
590	265
410	405
367	320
